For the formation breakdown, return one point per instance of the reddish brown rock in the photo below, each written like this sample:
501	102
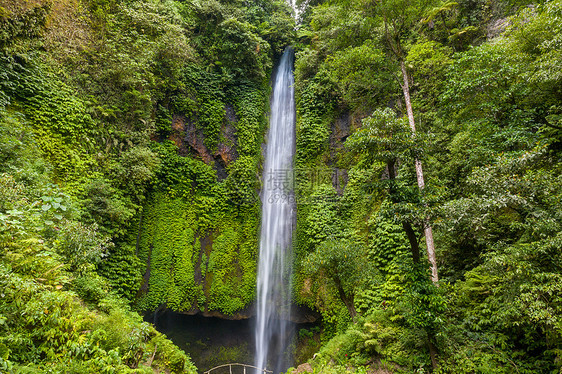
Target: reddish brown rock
303	368
191	141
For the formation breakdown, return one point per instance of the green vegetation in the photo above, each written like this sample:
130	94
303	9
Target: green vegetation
131	148
57	314
486	101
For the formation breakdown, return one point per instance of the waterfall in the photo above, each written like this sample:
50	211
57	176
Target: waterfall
275	257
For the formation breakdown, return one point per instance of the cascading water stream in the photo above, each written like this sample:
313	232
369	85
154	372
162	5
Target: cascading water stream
275	257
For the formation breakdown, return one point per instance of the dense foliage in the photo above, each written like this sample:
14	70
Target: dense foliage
131	148
486	99
130	144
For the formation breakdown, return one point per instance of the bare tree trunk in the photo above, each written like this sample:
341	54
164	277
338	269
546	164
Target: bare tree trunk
419	174
433	355
348	301
414	246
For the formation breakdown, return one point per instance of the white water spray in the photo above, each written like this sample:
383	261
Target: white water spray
274	268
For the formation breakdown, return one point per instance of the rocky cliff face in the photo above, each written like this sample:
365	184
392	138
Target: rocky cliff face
191	141
206	269
341	127
299	314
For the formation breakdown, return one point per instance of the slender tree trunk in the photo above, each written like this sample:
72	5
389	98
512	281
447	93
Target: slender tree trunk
348	301
414	246
419	174
432	354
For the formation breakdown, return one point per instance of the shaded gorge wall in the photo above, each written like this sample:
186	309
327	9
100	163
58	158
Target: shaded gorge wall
197	236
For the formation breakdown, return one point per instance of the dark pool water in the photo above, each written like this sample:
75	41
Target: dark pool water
211	341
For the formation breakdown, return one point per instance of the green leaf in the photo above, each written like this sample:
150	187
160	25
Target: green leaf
46	207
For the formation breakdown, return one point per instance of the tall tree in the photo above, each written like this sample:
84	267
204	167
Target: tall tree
388	139
399	20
